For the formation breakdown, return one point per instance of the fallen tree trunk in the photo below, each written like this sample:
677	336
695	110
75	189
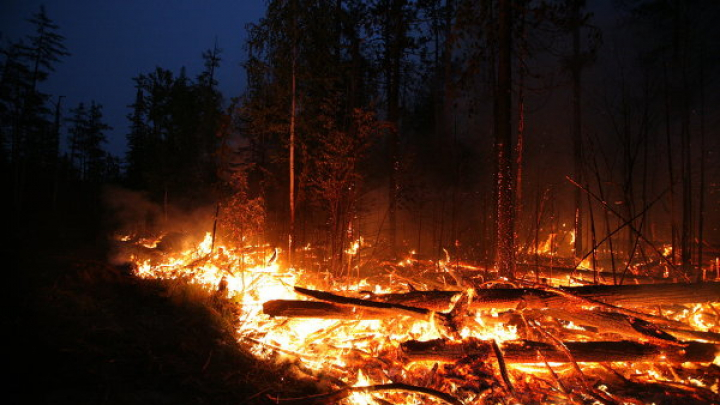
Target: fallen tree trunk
383	307
519	352
640	295
612	322
564	274
435	300
319	310
637	295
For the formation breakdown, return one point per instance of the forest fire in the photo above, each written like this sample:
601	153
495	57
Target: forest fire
413	333
407	202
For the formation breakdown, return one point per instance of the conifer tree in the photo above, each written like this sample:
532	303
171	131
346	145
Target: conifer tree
46	47
23	108
86	142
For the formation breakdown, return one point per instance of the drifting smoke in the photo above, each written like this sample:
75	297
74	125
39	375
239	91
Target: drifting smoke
133	217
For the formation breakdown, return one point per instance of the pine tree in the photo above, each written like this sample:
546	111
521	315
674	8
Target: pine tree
138	156
173	132
77	130
92	146
87	137
46	47
23	108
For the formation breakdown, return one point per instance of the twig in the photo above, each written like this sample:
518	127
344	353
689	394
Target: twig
629	223
598	395
503	367
251	397
568	393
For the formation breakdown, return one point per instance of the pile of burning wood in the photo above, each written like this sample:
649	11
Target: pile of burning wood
564	330
400	335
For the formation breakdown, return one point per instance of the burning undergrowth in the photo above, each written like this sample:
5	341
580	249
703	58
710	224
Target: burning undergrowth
429	332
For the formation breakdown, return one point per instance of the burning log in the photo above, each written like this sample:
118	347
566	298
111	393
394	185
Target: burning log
637	295
319	310
710	337
435	300
628	326
641	295
422	303
562	274
560	304
389	308
605	321
525	351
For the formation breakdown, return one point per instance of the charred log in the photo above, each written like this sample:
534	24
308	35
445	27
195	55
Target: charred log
611	322
524	351
435	300
389	308
638	295
319	310
563	274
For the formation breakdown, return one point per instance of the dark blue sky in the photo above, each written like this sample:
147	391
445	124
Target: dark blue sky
112	41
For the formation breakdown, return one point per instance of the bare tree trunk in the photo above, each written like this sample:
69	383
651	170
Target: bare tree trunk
394	34
682	50
686	231
606	215
55	154
536	237
505	261
594	242
521	122
671	171
291	232
577	125
701	209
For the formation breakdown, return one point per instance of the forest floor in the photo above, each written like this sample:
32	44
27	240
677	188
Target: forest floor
89	332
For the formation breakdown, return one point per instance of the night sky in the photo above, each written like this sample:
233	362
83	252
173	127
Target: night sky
112	41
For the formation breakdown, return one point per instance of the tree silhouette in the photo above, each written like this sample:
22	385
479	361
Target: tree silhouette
173	126
31	134
87	137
